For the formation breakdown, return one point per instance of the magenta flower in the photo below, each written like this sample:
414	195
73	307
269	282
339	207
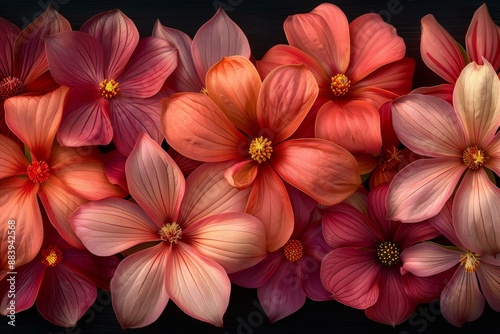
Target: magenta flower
61	280
192	232
475	275
290	274
461	143
363	269
113	77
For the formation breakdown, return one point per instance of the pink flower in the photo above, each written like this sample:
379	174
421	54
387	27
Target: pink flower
443	55
249	122
460	142
290	274
24	68
363	269
357	66
475	274
192	232
61	279
113	77
219	37
61	178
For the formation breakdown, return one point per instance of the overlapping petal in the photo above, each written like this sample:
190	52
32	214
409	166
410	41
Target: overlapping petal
426	259
14	162
488	275
8	35
483	38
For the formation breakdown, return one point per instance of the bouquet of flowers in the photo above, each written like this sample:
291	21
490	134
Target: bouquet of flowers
168	168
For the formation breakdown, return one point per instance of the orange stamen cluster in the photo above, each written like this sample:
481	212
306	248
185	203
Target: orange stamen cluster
109	88
389	159
470	261
474	157
10	86
260	149
293	250
38	171
51	256
340	85
388	253
171	232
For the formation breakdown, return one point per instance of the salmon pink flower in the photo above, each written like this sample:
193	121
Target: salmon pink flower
475	275
249	122
24	68
357	65
363	269
290	274
443	55
461	143
114	78
192	233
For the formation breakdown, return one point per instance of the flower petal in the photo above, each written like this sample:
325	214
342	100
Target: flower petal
197	285
308	270
443	222
426	259
260	273
488	274
242	174
483	38
493	150
138	287
8	35
155	181
426	289
319	168
14	162
195	127
112	225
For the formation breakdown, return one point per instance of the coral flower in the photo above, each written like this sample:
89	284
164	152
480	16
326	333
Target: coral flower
363	269
24	68
475	274
461	143
357	65
192	232
287	276
443	55
249	121
113	77
61	279
62	178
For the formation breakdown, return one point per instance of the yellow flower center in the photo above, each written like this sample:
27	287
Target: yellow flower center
293	250
10	86
260	149
109	88
388	253
204	91
51	256
389	159
470	261
38	171
171	232
474	157
340	85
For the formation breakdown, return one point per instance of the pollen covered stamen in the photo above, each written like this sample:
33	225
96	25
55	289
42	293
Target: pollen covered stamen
260	149
171	232
51	256
38	171
293	250
474	157
470	261
204	91
388	253
389	159
340	85
10	86
109	88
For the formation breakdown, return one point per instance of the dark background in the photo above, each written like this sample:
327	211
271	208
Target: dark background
262	22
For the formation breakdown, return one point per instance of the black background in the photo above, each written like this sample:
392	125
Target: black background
262	22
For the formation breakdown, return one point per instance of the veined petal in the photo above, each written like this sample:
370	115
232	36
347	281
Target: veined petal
151	63
461	300
208	194
429	126
420	190
483	38
219	37
75	59
409	234
426	259
309	270
488	273
351	275
319	168
374	43
8	35
443	222
323	34
242	174
14	162
493	151
235	240
426	289
443	91
476	209
112	225
35	120
138	287
439	51
118	36
354	125
234	84
85	120
155	181
260	273
197	285
476	99
195	127
286	96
